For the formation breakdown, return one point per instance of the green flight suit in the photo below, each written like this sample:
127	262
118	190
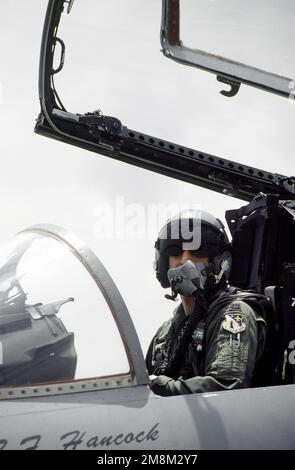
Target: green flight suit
234	339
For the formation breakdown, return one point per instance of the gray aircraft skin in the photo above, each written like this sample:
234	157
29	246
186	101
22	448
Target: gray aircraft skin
121	412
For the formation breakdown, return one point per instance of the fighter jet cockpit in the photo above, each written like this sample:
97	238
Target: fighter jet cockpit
58	309
154	83
146	109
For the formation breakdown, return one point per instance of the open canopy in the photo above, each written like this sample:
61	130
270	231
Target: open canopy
107	135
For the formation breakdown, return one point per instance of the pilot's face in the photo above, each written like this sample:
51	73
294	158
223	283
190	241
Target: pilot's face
184	255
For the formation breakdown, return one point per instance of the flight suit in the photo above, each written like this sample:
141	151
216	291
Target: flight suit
234	339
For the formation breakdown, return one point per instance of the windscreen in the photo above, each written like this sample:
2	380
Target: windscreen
55	323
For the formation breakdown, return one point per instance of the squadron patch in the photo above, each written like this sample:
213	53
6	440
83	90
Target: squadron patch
233	322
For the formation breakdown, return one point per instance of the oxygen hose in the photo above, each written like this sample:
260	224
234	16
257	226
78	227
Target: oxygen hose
198	311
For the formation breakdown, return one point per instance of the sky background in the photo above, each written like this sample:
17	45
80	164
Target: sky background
113	62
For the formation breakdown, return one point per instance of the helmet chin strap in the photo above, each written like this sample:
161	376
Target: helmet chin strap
173	295
223	268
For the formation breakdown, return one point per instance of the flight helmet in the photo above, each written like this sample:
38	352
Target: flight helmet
202	234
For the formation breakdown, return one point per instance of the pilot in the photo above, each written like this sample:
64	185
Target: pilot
217	332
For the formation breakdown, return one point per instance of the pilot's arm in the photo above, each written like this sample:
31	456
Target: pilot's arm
234	341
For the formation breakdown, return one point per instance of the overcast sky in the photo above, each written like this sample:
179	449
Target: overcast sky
113	62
